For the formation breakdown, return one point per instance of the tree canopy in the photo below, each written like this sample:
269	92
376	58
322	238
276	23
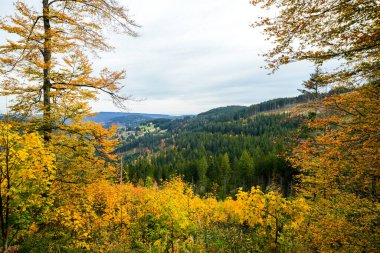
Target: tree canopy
46	67
46	70
337	153
323	30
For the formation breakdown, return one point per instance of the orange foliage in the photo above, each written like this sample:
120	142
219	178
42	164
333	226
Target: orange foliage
340	174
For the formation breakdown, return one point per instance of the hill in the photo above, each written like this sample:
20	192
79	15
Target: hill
218	150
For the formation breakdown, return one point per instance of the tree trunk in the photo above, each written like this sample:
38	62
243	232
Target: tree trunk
4	200
47	127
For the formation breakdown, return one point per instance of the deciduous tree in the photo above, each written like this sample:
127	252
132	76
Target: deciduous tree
27	170
46	66
323	30
338	160
340	173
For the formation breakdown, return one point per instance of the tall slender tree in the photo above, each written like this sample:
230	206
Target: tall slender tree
202	167
226	172
46	66
246	169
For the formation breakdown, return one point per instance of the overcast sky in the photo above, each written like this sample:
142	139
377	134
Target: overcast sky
192	56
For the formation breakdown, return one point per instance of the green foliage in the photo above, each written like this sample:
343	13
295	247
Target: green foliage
243	152
246	169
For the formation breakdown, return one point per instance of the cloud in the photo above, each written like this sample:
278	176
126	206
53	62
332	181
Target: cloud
193	56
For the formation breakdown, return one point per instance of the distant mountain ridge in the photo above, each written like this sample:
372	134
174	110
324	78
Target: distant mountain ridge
222	110
127	119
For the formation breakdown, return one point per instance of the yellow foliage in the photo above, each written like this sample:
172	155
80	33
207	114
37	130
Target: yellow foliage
27	171
122	216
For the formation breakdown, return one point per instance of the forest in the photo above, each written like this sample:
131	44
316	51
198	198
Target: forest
214	152
287	175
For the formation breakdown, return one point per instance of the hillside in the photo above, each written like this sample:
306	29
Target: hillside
218	150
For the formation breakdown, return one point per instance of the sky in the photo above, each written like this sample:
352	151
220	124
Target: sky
192	56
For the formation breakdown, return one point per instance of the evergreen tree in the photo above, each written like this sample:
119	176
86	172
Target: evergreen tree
226	172
246	169
202	167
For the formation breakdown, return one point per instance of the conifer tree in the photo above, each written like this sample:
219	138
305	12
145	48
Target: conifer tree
226	170
246	169
202	167
314	85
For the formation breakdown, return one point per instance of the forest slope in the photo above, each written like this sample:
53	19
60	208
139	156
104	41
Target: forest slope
218	150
